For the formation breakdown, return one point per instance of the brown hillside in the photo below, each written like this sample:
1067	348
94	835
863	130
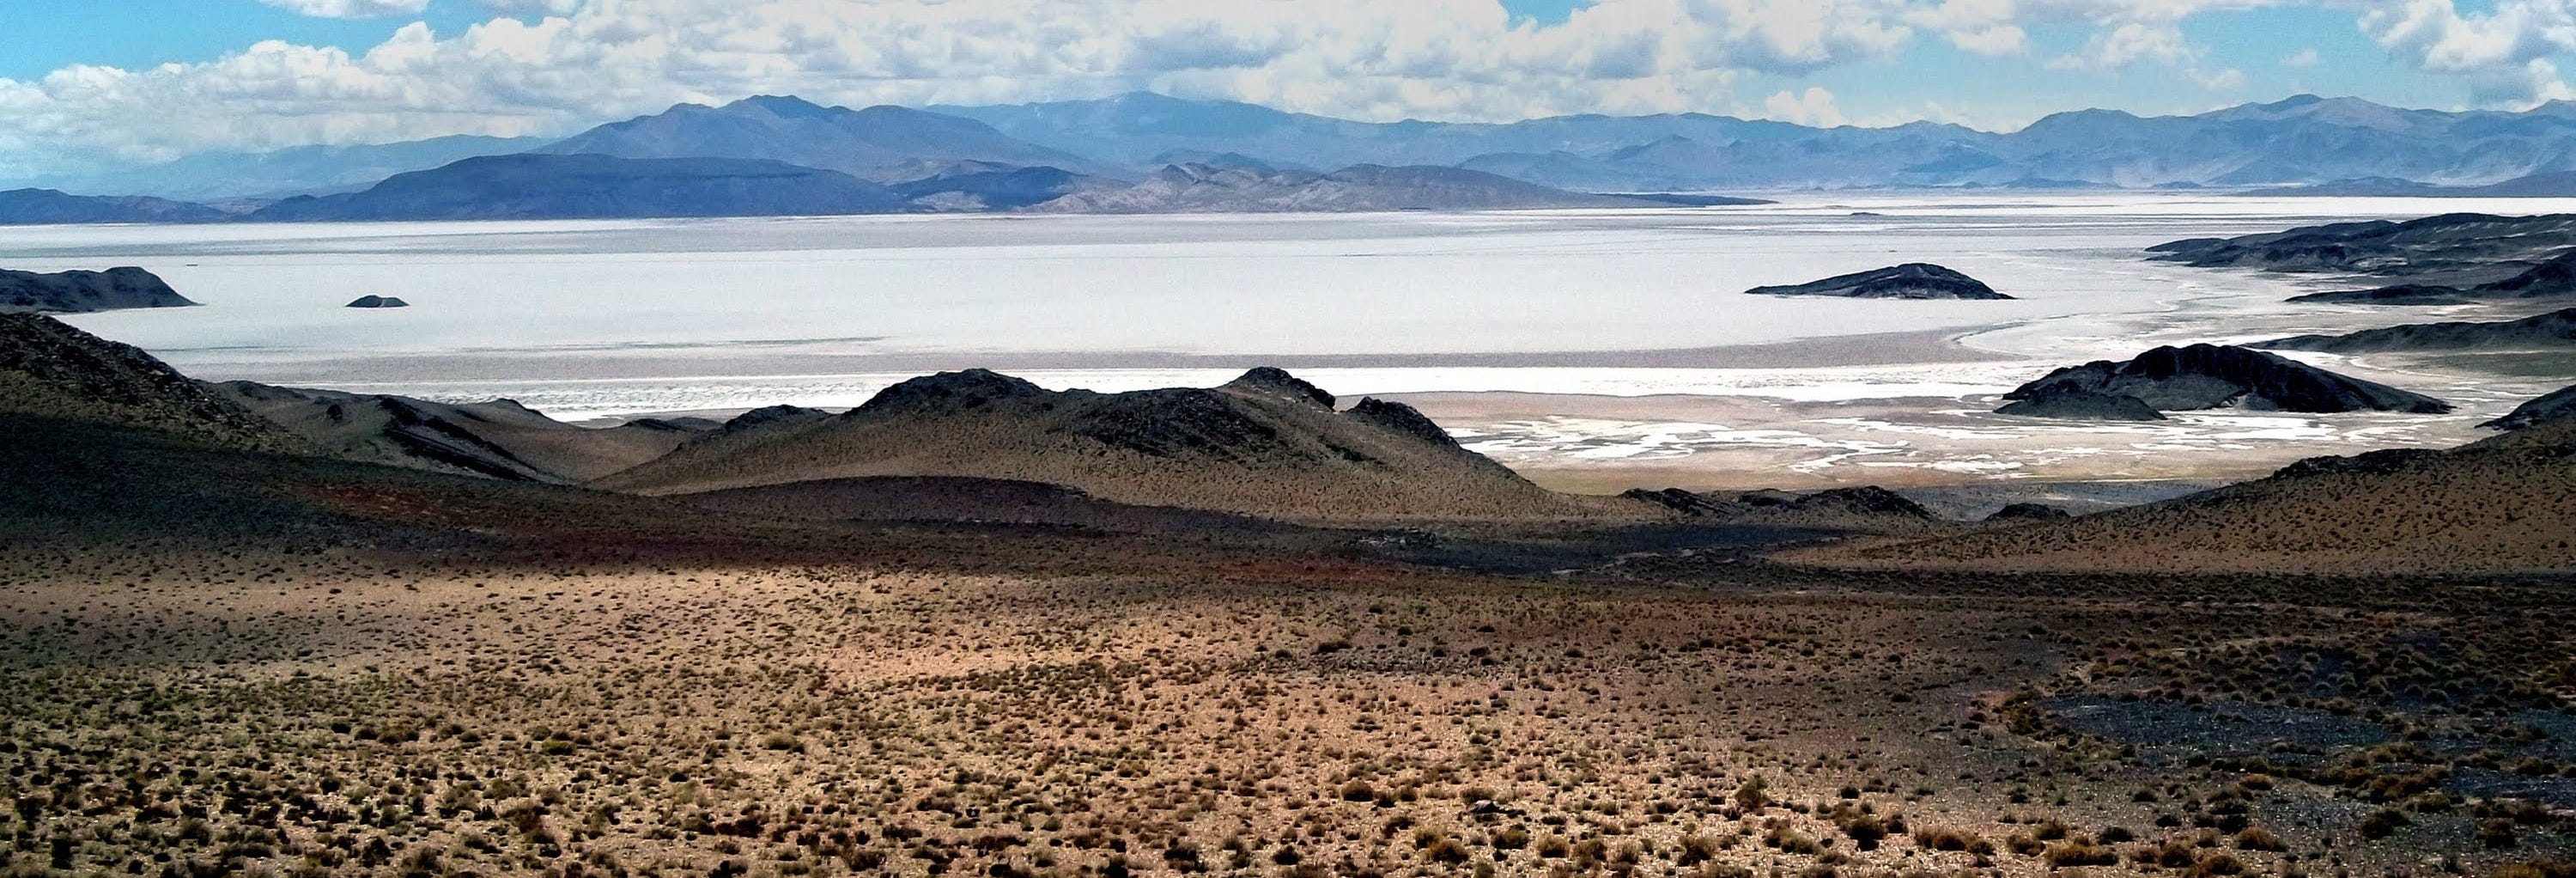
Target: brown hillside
1264	444
500	439
2501	505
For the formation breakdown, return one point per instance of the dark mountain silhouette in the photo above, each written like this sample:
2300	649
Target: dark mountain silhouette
597	186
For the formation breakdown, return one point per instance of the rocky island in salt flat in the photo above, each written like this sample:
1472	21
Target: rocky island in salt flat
1912	280
74	292
2205	376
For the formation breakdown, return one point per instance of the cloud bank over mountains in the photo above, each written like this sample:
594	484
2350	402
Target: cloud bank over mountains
549	67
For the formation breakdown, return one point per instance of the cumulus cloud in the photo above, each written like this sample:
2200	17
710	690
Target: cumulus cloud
2300	59
2503	53
1815	106
351	8
552	66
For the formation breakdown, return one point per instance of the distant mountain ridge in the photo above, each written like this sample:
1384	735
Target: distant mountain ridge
2300	145
877	143
597	186
2299	140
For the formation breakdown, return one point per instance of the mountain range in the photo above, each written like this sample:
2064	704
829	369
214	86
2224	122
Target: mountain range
2300	145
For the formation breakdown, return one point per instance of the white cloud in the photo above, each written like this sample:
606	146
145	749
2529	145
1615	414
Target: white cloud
532	7
351	8
1815	107
2302	58
2503	53
553	66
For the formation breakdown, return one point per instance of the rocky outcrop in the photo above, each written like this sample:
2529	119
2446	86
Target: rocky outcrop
2554	278
1265	444
2558	406
2018	512
2556	329
2206	376
2443	249
73	292
1865	507
378	302
1913	280
50	369
2071	401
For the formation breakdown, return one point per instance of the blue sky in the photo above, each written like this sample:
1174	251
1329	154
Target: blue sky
1994	64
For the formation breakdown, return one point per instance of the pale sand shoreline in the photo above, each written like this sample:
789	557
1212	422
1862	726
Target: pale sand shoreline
1604	445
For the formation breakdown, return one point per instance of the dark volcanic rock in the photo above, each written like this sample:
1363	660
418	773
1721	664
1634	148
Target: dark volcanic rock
2557	406
1402	419
2206	376
2069	401
773	415
2554	329
1176	422
2028	512
2399	294
1913	280
72	292
378	302
2450	245
2553	278
1685	502
1870	500
47	206
1278	380
949	391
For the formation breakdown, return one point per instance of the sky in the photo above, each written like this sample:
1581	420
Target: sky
85	83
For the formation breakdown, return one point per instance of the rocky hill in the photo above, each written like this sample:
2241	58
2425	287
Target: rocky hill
597	187
2206	376
2556	329
2552	278
2457	249
2555	407
50	369
1264	444
73	292
1913	280
2501	505
1252	188
499	439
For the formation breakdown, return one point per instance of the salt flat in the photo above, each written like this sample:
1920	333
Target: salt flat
593	319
